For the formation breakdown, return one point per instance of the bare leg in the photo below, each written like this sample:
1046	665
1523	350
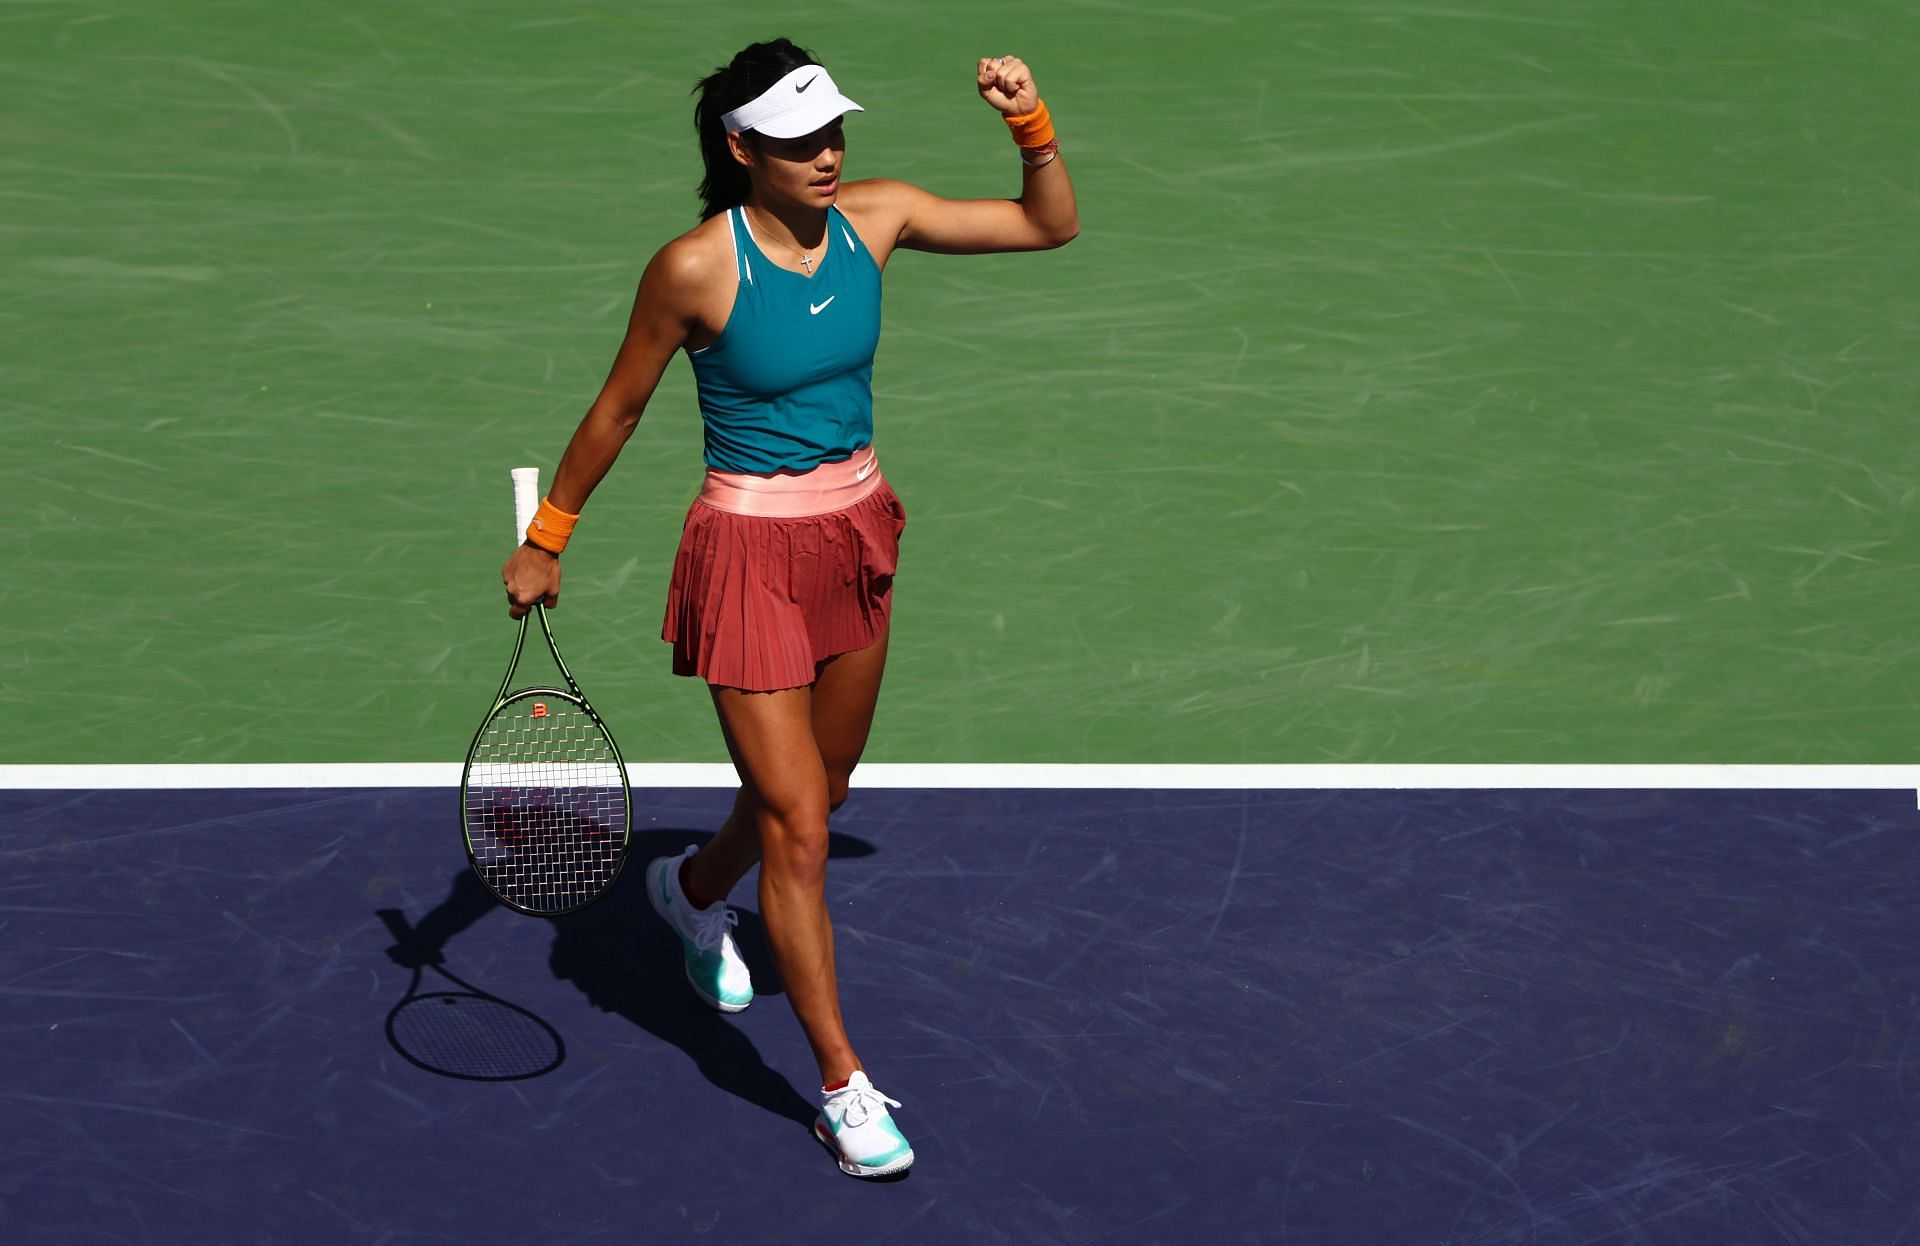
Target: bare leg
794	751
844	697
711	874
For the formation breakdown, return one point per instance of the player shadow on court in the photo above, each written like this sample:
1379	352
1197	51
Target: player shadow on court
626	961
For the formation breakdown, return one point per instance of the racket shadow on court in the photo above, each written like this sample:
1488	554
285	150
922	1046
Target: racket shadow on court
625	960
454	1028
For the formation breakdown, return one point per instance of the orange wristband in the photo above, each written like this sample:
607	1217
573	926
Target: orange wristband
1034	129
551	527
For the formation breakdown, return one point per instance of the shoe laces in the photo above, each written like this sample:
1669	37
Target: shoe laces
710	926
859	1104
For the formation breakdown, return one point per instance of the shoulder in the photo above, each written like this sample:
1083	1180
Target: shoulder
880	209
689	284
693	262
878	194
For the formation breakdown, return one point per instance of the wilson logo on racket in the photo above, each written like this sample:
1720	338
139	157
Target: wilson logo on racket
539	709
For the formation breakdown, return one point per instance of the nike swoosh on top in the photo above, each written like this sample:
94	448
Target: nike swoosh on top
802	89
816	310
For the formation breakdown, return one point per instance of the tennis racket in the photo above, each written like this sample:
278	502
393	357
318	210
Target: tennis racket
544	801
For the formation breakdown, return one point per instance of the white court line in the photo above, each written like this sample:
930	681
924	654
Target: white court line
896	775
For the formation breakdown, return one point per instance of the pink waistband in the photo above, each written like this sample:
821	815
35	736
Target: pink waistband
793	495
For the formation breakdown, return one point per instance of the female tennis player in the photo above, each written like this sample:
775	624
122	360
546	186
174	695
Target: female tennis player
781	590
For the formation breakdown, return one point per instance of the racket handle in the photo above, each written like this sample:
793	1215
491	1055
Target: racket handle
526	500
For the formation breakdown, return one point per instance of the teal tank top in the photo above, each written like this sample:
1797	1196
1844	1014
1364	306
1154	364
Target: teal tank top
788	384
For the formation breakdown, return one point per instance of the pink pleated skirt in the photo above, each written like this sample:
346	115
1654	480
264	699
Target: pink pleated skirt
776	574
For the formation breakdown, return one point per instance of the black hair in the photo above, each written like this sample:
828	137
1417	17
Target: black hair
752	70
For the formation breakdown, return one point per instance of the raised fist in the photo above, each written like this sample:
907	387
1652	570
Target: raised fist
1007	84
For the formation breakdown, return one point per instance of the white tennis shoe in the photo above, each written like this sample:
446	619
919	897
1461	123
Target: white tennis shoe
854	1124
714	968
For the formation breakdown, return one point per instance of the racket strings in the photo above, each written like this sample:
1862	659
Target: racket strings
545	805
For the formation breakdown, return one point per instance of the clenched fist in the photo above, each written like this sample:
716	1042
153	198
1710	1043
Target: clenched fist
1007	84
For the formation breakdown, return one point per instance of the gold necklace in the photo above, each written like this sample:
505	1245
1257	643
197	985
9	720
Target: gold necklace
805	259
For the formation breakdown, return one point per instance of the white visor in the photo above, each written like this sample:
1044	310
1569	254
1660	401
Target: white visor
800	103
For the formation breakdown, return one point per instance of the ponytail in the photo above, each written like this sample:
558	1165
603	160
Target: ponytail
752	70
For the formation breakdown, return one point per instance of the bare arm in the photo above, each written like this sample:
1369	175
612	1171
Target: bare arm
658	326
1043	216
663	316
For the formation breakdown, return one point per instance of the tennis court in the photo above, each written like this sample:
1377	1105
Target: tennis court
1400	720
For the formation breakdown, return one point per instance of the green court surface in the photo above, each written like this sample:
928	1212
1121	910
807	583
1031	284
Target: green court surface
1511	382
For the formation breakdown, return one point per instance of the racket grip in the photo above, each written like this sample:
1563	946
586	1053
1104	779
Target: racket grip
526	500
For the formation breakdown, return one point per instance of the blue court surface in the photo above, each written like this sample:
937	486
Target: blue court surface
1121	1017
